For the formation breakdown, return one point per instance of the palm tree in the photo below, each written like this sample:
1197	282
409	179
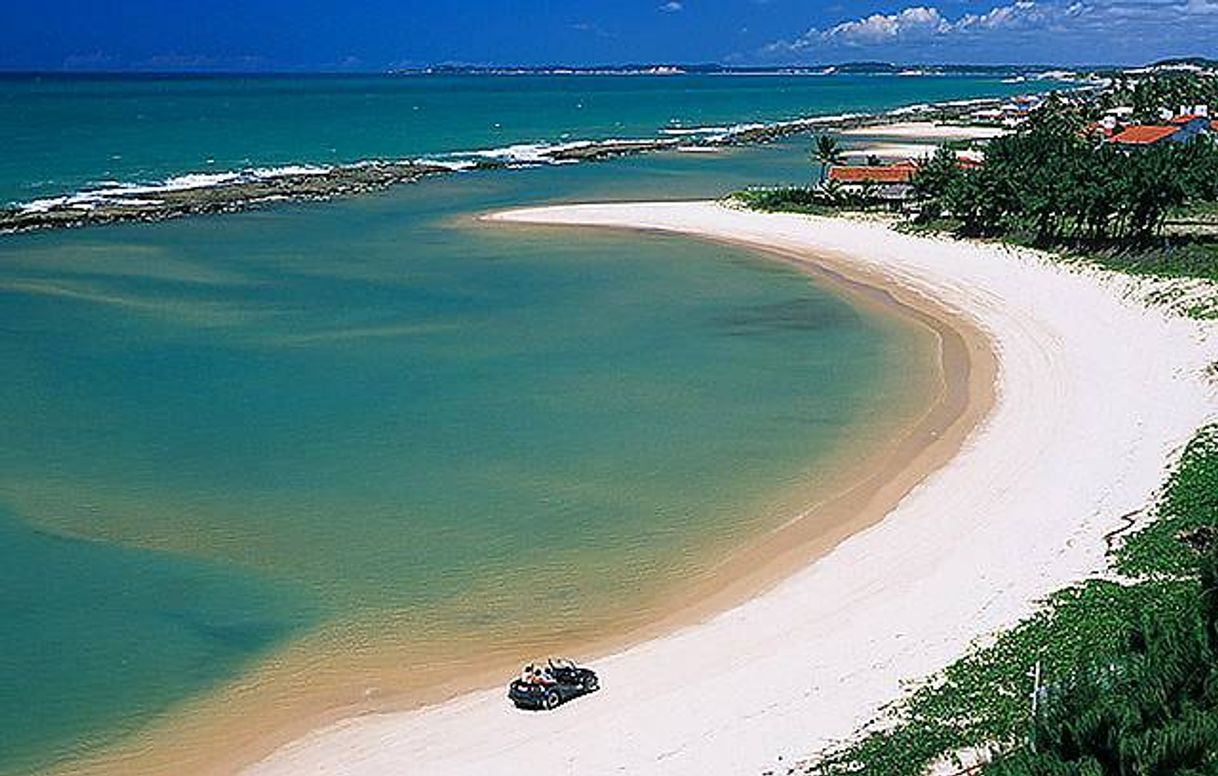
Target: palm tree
826	153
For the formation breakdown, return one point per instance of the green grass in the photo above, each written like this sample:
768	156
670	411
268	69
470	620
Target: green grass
1187	516
791	199
936	226
802	199
983	699
1177	257
1206	212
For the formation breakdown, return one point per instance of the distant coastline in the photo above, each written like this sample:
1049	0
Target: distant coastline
236	191
845	68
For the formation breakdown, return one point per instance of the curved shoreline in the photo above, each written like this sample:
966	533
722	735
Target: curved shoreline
1082	429
859	495
866	478
965	377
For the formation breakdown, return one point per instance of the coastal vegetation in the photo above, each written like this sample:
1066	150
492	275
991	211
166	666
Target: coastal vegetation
787	199
1050	183
1115	676
1055	184
826	153
1149	211
1148	96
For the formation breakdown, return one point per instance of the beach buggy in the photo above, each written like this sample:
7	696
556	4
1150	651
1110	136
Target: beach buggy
550	685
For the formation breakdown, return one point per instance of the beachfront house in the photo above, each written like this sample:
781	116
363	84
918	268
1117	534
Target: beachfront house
1176	127
1145	135
892	183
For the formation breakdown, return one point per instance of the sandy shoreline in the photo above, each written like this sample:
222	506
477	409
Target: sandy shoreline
1080	433
942	400
926	131
889	151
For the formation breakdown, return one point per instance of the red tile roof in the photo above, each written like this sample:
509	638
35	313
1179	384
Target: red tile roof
888	173
1186	118
1145	134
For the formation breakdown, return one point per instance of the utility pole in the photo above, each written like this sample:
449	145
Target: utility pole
1034	675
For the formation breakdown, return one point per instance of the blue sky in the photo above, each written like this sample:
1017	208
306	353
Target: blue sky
379	34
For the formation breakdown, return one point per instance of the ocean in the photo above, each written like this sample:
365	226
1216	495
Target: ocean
376	430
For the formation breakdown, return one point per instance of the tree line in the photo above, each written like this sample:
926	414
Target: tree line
1148	95
1053	180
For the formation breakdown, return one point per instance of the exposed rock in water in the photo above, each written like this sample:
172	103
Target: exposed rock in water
246	191
608	149
251	189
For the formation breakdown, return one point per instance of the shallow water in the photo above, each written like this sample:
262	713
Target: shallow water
222	433
98	636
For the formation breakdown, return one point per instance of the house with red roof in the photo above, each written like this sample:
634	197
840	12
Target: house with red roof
1180	128
901	172
888	182
1145	135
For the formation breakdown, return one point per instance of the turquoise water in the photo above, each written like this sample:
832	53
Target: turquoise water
121	621
222	433
60	134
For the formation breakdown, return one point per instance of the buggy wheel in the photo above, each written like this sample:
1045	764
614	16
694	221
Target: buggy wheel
552	700
592	684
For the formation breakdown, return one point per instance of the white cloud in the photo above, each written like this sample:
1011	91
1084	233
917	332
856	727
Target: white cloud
1181	21
877	28
1025	13
672	6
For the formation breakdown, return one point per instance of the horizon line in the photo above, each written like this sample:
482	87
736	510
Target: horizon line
423	69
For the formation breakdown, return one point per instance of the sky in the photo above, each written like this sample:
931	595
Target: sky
377	35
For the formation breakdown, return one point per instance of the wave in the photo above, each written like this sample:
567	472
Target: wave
694	131
131	194
522	153
305	180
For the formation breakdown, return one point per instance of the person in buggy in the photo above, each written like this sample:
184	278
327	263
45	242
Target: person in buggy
535	674
547	686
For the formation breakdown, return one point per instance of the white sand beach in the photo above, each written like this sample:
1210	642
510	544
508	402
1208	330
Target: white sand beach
1095	394
926	130
890	151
